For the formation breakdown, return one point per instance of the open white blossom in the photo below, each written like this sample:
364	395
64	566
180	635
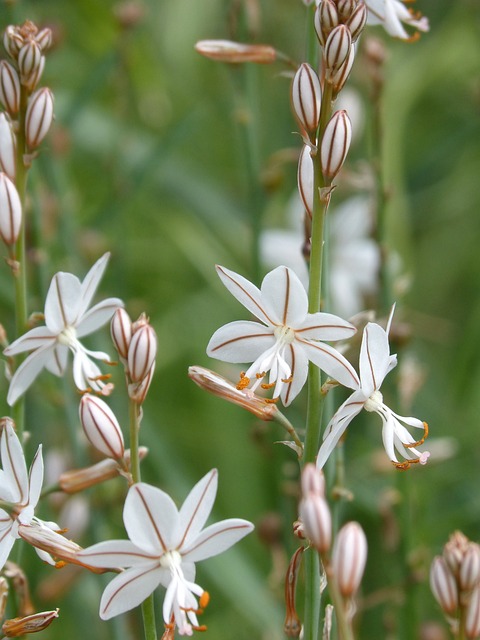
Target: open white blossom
375	363
391	14
67	318
287	340
164	545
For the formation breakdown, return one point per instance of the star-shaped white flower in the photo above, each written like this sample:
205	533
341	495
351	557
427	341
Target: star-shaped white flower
375	363
288	338
164	545
391	14
19	490
67	318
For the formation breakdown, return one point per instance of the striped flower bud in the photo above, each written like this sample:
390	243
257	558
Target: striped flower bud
22	626
12	41
306	97
29	58
34	78
44	39
9	88
236	52
8	145
454	551
137	391
305	179
357	20
39	117
339	78
443	585
317	521
469	575
142	352
313	481
349	558
326	19
472	618
121	331
345	9
101	426
10	211
335	143
337	49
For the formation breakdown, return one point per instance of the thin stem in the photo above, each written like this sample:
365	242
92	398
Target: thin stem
289	428
343	619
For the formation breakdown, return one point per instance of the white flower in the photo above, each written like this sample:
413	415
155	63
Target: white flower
164	545
391	14
375	363
67	318
288	338
19	490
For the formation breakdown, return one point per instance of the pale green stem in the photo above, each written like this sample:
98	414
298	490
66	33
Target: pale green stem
345	631
289	428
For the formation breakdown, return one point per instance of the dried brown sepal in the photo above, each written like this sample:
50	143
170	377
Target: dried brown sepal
292	625
17	627
236	52
21	587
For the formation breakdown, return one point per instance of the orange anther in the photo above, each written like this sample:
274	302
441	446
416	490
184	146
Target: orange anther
268	385
204	599
421	441
243	382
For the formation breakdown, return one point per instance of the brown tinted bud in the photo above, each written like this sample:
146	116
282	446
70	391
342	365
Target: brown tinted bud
337	49
317	521
101	426
39	117
9	88
142	352
306	97
137	391
12	41
121	331
10	211
292	625
469	575
8	144
345	9
29	58
443	585
326	19
17	627
357	20
313	480
349	558
454	551
235	52
335	143
472	618
44	39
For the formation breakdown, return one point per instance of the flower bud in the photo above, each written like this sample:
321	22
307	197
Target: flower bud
305	179
142	352
34	78
339	78
44	39
317	521
39	117
469	575
357	20
335	143
454	551
121	331
101	426
472	618
349	558
236	52
29	58
292	625
17	627
10	211
337	49
8	143
306	97
443	585
12	41
326	19
313	481
345	9
137	391
3	596
9	88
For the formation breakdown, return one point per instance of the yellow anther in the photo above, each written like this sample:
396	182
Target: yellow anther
204	599
268	385
421	441
243	382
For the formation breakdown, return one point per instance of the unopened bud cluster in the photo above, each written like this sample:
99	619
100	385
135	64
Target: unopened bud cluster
455	582
136	343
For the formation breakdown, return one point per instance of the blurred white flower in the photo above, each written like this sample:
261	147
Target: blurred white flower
391	14
67	318
164	545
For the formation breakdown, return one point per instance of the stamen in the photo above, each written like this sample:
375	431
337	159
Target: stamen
259	376
287	380
202	627
403	466
269	385
272	400
204	599
243	382
421	441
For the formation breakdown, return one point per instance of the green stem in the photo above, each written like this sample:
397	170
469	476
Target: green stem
343	620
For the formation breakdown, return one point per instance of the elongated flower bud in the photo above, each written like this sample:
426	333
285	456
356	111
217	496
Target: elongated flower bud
339	78
443	585
345	9
305	179
326	19
335	143
121	331
12	41
454	551
8	143
39	117
313	481
10	211
44	39
472	619
236	52
9	88
337	49
357	20
306	97
101	426
17	627
142	352
137	391
469	575
29	58
349	558
317	521
34	78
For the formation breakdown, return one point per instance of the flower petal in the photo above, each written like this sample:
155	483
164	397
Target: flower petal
240	341
14	466
115	553
245	292
128	590
35	478
151	518
27	372
197	507
375	358
34	339
62	304
324	326
97	316
57	362
332	362
284	297
6	543
91	281
217	538
297	359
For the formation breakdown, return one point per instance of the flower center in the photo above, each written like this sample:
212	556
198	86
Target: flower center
171	560
68	336
374	402
284	335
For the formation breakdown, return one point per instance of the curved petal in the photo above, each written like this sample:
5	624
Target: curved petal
36	338
332	362
374	357
27	372
296	358
197	507
6	543
151	518
245	292
388	435
128	590
57	363
217	538
91	281
116	553
97	316
14	466
324	326
284	297
35	478
62	304
240	341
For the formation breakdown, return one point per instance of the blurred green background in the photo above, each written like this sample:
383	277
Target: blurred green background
147	159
